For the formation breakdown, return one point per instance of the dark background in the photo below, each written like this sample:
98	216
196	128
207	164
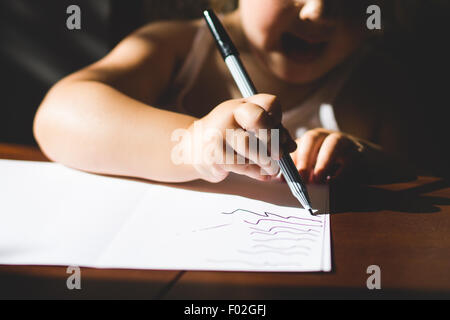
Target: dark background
36	50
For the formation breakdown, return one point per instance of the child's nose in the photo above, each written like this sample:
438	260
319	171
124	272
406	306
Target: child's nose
312	10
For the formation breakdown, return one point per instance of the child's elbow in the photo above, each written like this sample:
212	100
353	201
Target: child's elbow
41	128
44	125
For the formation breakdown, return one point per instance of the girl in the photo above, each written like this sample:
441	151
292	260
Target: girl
118	115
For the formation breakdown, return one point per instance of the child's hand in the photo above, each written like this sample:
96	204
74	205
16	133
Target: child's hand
261	111
323	155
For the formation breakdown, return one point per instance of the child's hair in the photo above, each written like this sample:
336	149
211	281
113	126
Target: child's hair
396	14
184	9
223	5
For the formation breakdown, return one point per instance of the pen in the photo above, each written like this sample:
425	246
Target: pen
231	57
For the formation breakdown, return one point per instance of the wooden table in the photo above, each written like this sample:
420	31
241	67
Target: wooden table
402	228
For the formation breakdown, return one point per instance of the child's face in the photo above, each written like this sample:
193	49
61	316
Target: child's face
295	39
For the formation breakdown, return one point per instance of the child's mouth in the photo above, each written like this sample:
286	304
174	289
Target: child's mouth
301	50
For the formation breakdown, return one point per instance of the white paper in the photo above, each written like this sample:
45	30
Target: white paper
53	215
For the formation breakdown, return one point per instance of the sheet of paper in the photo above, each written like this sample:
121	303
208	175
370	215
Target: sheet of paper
52	215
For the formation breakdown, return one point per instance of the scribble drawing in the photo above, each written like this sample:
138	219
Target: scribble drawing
285	227
284	239
212	227
267	216
271	235
280	221
278	232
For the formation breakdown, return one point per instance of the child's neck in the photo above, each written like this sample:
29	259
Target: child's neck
291	95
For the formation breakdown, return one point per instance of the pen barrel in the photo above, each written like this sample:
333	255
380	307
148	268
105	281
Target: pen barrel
223	40
287	166
240	76
294	180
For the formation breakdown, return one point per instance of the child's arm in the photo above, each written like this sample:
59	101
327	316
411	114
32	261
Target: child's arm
101	119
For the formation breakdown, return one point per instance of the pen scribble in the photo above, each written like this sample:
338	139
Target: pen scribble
268	214
284	239
212	227
280	221
284	227
278	232
268	227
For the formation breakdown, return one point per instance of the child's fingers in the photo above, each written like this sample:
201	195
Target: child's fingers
274	143
253	117
333	147
286	141
313	157
270	104
250	170
340	169
307	152
212	173
241	142
347	164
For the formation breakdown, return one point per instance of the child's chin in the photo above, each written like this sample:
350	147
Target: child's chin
298	73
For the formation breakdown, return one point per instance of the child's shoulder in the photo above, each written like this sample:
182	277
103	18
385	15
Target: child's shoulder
177	34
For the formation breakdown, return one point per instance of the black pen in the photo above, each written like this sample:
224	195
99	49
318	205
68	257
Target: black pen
231	57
